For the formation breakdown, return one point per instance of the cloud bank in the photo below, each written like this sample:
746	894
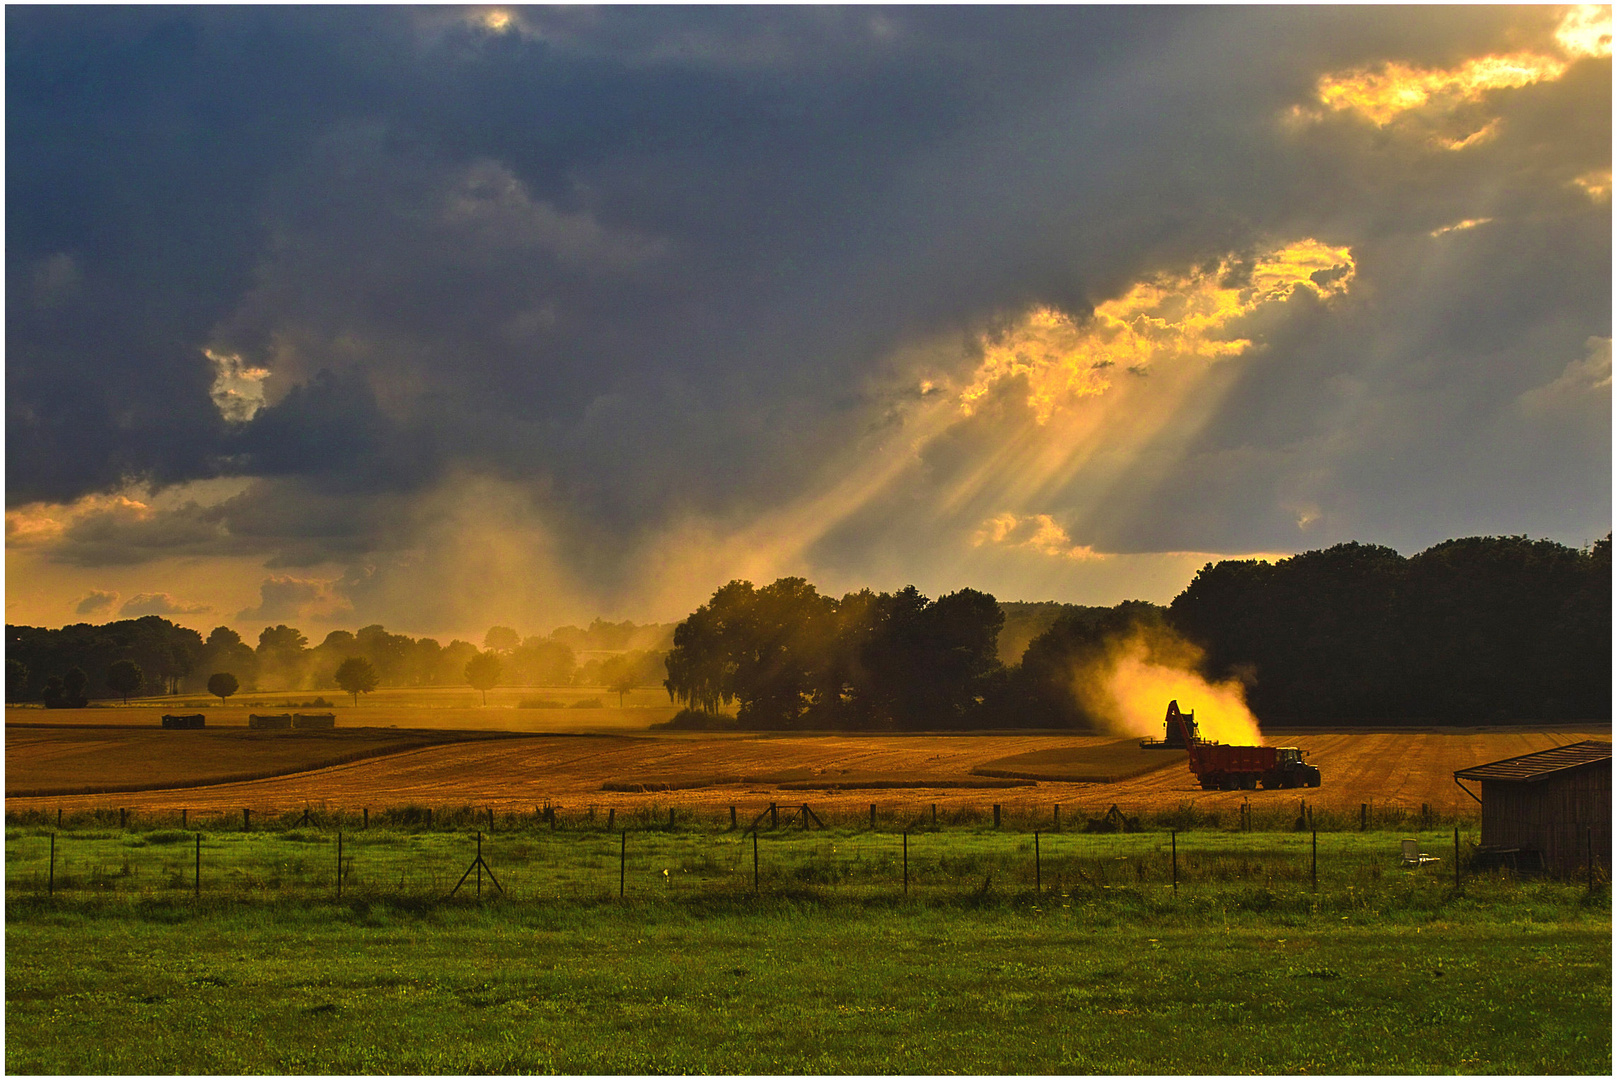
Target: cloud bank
442	318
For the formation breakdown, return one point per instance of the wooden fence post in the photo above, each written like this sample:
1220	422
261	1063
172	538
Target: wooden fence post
774	820
123	817
1173	840
670	817
755	860
872	817
246	819
1038	877
183	813
611	817
367	817
339	864
1313	862
1058	818
623	859
906	862
1589	855
51	886
732	817
58	817
996	815
1364	816
1456	857
199	866
490	818
934	815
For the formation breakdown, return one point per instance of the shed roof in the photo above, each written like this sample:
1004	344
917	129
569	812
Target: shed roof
1530	767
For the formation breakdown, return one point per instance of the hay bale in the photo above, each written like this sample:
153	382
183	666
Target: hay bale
314	720
269	720
186	721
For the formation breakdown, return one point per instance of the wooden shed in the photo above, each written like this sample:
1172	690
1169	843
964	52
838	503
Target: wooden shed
1552	807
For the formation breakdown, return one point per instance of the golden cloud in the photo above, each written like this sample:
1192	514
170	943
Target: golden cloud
1385	93
1164	317
1034	532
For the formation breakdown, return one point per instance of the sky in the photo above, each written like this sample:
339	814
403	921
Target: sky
441	318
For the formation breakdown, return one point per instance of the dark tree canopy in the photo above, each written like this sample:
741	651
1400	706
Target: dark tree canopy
222	684
1477	630
125	678
483	672
357	675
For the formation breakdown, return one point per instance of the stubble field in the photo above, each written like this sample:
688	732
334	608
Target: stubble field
575	762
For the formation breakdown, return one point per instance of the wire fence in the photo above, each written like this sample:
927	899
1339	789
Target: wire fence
424	853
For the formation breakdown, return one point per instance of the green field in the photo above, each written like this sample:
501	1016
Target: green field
1090	961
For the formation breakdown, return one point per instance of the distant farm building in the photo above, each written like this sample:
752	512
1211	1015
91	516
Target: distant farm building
314	720
190	720
1551	809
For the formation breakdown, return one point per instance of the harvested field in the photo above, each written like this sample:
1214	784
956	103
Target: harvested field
1106	763
54	760
402	713
709	772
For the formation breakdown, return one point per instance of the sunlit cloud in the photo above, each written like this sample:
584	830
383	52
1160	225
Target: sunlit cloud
1468	223
1596	184
1383	94
283	597
1034	532
45	523
1583	382
238	387
160	603
1585	30
1165	317
96	602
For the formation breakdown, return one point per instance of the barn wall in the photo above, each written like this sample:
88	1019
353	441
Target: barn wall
1552	816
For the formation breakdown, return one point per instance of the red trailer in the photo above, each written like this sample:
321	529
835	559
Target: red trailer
1219	767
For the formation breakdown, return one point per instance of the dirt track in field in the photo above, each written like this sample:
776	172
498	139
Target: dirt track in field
711	772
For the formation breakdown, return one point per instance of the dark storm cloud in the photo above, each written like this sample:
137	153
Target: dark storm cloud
649	262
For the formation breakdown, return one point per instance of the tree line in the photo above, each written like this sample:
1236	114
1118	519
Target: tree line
1477	630
150	655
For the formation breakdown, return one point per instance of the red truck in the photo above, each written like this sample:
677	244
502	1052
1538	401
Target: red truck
1218	767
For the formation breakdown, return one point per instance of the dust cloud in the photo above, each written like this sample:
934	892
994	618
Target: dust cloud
1129	688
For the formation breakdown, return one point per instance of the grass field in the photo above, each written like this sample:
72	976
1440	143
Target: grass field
830	967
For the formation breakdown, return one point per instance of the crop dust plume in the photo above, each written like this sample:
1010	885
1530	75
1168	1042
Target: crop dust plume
1129	688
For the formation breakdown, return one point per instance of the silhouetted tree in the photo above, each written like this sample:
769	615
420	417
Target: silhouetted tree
357	675
222	684
483	673
16	679
125	678
501	639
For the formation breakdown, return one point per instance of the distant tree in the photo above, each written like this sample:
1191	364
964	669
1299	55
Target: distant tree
222	684
16	679
501	639
483	672
357	675
619	676
73	684
125	678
